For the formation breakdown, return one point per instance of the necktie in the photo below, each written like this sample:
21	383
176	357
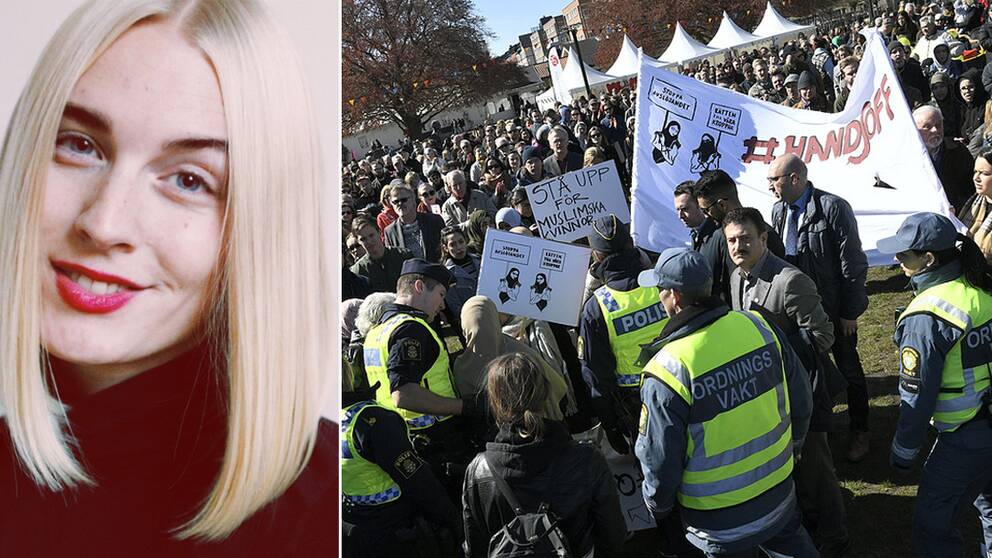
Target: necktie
792	231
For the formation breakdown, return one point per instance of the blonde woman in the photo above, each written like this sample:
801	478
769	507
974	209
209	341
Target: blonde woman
163	292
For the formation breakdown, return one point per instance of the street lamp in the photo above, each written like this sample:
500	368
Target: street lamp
578	52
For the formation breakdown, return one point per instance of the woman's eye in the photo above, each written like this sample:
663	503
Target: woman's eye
77	145
189	182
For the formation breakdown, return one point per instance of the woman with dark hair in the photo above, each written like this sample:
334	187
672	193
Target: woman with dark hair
944	378
667	144
475	229
509	286
541	464
540	292
976	213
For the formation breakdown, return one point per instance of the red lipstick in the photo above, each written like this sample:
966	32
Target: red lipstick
78	297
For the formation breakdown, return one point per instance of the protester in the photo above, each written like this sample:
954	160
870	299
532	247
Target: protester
418	233
539	462
381	265
976	213
463	200
485	341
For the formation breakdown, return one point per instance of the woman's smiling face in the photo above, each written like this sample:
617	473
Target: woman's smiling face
133	206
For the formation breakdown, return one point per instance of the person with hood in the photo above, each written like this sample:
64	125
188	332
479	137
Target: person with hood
974	97
947	102
507	218
942	62
538	460
485	342
475	229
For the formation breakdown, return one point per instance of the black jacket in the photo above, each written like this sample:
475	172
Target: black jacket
572	478
829	251
954	169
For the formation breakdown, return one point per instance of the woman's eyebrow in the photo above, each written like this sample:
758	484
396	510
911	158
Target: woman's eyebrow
194	144
87	117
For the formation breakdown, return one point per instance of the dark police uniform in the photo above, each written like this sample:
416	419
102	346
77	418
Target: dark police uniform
385	484
945	350
615	389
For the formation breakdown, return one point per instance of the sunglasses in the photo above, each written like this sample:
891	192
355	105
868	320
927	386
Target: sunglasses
398	201
428	193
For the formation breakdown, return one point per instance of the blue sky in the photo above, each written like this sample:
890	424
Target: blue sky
509	19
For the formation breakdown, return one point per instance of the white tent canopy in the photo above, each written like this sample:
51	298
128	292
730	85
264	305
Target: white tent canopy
684	48
572	76
626	63
773	24
730	35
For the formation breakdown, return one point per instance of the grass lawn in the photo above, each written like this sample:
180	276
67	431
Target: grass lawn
880	503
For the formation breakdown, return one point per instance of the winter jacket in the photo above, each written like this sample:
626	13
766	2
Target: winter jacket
829	251
571	477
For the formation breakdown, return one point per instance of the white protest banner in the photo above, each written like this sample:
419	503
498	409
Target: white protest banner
557	77
533	277
870	154
565	206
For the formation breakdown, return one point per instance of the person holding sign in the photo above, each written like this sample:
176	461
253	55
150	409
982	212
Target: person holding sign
726	407
616	321
944	378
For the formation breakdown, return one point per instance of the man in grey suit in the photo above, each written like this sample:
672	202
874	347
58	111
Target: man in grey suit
786	297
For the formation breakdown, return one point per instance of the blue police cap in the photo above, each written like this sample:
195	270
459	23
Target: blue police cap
609	234
679	269
929	232
434	271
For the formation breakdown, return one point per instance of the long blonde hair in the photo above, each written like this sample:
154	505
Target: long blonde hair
268	336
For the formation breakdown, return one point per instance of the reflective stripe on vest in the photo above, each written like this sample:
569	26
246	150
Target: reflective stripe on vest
362	482
966	374
633	318
740	430
437	379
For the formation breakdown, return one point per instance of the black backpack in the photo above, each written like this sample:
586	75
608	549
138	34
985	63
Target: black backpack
528	534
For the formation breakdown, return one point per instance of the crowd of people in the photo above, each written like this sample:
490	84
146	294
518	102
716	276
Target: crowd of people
458	418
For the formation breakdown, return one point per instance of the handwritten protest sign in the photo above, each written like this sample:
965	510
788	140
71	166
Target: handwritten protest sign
566	206
533	277
628	478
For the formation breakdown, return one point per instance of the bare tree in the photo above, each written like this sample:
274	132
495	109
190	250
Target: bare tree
406	61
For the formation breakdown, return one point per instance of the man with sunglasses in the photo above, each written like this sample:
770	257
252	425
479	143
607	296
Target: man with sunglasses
716	194
420	233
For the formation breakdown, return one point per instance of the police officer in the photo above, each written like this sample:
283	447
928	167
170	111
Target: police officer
616	321
945	349
384	483
726	407
409	361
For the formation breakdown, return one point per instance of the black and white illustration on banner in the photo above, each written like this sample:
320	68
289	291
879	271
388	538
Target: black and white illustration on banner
723	120
675	102
540	291
509	286
534	277
666	143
